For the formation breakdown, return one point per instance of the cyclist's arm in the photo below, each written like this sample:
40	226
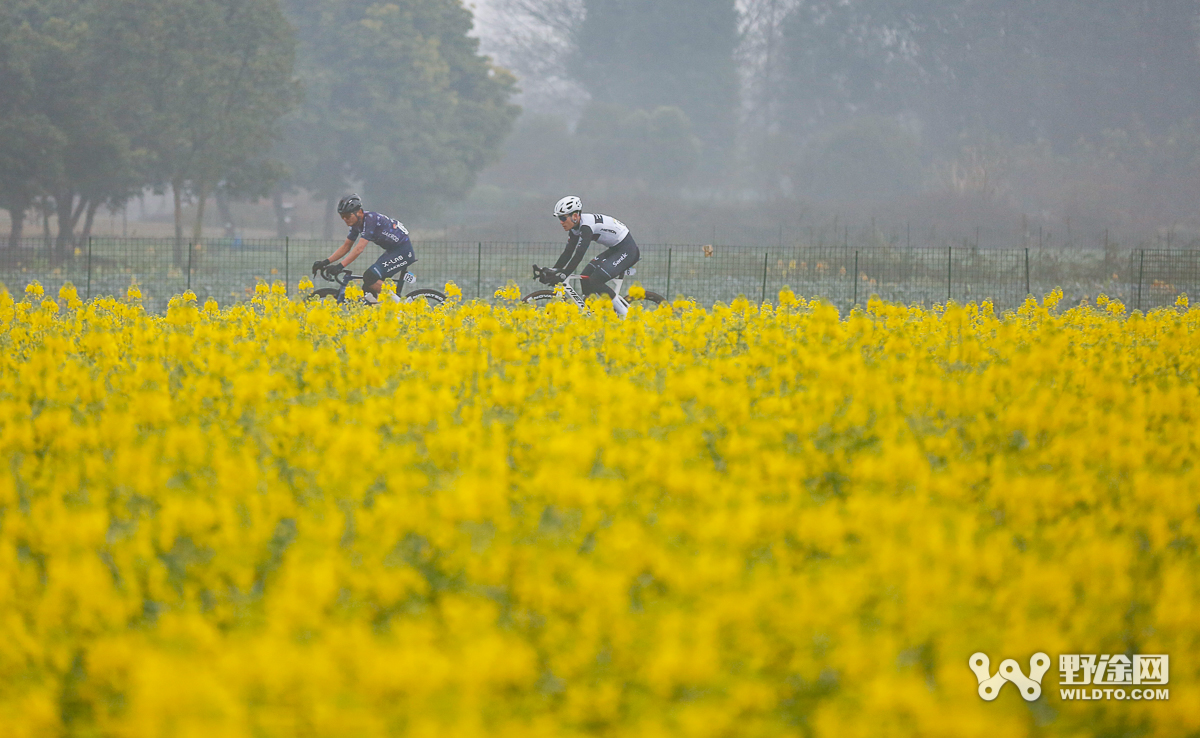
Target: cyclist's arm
355	252
341	251
576	248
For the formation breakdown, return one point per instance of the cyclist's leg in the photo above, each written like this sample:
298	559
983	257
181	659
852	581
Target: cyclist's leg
610	264
392	263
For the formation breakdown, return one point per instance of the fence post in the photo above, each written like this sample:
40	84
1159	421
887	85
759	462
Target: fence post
949	270
1141	271
479	272
287	264
1027	291
766	255
191	248
668	295
855	278
89	277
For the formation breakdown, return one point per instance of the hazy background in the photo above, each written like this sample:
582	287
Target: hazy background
1002	123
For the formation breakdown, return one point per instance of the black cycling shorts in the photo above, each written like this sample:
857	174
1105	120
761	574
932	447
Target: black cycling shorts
610	264
390	263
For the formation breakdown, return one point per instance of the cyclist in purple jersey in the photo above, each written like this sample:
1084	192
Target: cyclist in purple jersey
366	226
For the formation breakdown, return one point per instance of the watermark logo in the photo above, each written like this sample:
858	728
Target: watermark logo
1010	671
1108	674
1081	676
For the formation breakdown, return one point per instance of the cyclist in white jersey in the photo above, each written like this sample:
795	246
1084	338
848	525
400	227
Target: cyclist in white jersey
620	252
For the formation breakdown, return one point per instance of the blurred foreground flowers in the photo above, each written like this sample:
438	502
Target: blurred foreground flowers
284	519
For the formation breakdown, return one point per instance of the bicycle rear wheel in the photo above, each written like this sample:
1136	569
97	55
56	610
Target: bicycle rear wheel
433	298
651	297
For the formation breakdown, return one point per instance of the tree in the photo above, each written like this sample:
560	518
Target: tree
397	99
27	137
656	147
535	40
209	81
61	142
760	57
1025	69
647	54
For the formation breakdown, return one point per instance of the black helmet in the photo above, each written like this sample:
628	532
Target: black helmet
349	204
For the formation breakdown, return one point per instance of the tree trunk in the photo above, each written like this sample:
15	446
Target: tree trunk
46	225
64	204
69	208
16	214
86	233
330	206
198	227
177	250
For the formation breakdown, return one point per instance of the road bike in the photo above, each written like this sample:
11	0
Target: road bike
572	291
343	280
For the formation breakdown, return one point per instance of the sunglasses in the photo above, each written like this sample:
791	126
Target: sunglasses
564	218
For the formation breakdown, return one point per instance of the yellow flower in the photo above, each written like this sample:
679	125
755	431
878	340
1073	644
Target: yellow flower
598	526
637	292
1182	301
452	291
305	284
134	292
34	290
509	292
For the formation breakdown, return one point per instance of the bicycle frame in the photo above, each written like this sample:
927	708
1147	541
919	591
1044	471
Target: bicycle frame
345	278
574	292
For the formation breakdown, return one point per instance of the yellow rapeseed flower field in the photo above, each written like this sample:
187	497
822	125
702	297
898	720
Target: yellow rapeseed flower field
302	519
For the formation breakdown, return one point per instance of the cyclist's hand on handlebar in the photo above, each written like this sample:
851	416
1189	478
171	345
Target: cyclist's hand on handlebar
556	276
331	271
319	265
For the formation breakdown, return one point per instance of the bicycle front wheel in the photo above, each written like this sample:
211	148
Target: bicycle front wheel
433	298
539	298
651	297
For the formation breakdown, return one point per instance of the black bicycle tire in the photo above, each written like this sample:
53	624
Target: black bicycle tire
539	297
427	293
654	297
323	292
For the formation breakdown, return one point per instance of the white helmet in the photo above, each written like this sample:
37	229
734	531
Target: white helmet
567	205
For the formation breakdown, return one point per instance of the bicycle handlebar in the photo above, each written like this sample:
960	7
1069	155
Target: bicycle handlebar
343	278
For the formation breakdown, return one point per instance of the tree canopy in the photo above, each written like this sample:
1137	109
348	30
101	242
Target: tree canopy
100	99
397	100
649	54
1020	68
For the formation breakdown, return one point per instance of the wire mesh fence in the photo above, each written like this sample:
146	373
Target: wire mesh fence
229	269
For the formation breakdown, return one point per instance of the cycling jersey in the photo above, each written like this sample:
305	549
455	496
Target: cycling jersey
603	229
385	232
